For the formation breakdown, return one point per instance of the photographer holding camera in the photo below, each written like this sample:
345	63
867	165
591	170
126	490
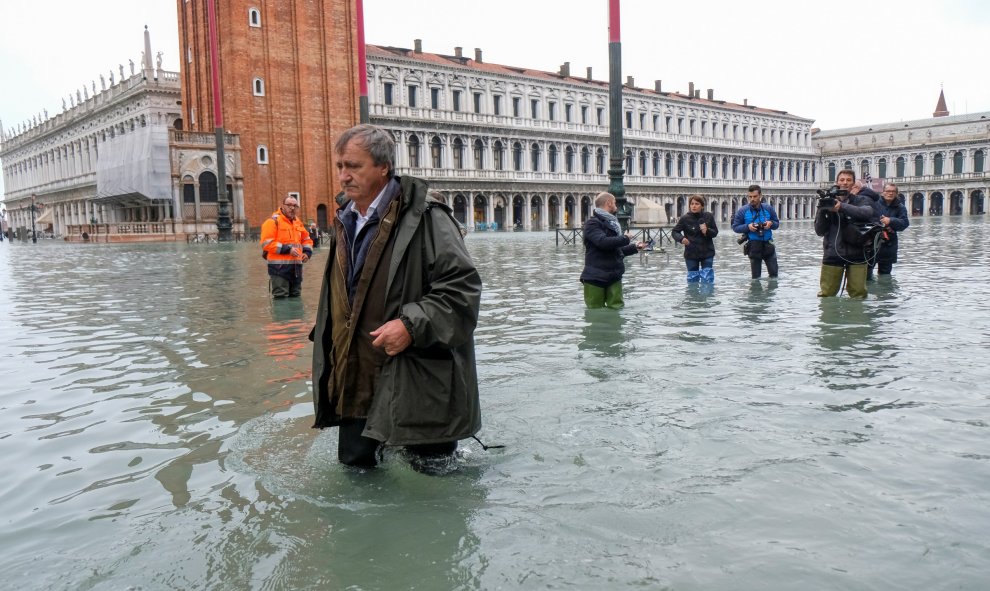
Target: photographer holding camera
893	219
842	218
756	223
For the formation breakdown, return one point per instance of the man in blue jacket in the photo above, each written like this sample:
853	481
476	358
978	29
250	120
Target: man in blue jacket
757	223
605	247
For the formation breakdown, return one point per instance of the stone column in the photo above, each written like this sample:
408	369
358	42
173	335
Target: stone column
199	217
177	212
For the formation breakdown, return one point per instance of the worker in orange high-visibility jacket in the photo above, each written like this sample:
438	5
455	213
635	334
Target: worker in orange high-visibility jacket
286	245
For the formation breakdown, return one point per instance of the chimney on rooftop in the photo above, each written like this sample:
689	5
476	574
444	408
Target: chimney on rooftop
418	45
458	51
589	73
565	69
630	81
711	94
656	85
697	93
691	89
477	54
745	102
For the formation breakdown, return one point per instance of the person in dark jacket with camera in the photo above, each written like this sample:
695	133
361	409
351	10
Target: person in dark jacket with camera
696	230
841	221
756	223
605	247
893	219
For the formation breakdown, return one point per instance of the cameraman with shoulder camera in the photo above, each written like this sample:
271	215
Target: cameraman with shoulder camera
756	223
842	211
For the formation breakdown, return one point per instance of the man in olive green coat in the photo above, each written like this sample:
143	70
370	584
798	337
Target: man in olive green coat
393	353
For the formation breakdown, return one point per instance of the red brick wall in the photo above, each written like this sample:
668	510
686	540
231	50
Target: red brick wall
305	51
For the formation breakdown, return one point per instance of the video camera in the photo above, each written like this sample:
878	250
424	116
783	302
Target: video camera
826	199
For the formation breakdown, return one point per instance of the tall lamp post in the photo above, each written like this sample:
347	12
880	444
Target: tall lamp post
223	205
34	233
615	170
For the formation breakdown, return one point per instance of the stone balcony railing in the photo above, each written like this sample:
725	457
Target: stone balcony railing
953	178
90	104
409	115
449	174
202	138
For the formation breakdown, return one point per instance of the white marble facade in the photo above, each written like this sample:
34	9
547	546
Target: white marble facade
939	165
508	146
112	162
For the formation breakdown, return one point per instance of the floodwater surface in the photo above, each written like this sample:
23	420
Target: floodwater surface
155	417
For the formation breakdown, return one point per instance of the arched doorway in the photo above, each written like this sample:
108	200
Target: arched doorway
586	207
321	217
536	213
500	207
680	206
569	217
460	209
554	211
976	203
481	212
937	205
518	211
207	195
917	204
956	203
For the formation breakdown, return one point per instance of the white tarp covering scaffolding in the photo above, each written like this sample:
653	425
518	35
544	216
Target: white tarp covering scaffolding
135	163
648	213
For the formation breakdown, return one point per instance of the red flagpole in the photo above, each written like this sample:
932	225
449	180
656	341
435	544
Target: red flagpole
363	107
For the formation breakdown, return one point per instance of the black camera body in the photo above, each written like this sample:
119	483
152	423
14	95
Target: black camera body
826	199
758	231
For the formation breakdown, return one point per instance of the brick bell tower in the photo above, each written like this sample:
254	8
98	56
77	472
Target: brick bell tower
289	87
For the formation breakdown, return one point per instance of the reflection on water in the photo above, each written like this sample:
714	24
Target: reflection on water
155	417
603	332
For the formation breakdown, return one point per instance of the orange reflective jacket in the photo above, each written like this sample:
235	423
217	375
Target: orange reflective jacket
280	236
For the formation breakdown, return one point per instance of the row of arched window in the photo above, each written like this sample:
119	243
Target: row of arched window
480	101
520	156
77	157
902	165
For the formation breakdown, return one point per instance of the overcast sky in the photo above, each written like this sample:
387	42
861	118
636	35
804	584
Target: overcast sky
842	63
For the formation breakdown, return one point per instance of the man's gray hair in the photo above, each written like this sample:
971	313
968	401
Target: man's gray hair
376	141
603	198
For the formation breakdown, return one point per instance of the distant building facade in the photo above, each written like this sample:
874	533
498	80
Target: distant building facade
939	165
509	146
108	167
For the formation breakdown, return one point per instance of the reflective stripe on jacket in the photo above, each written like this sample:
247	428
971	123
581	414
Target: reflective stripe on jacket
279	235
